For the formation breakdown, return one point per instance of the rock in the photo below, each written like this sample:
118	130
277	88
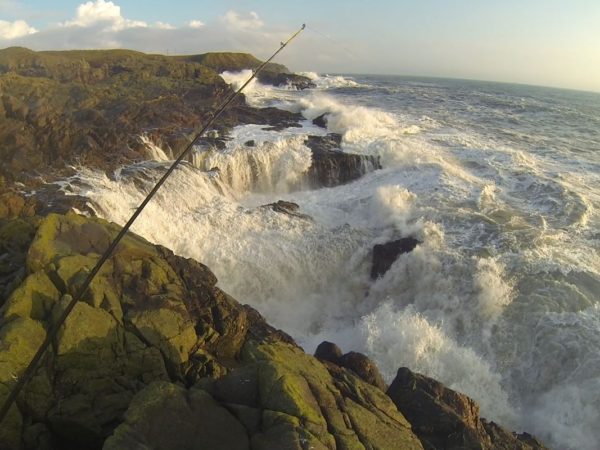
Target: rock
320	121
154	421
60	109
306	404
149	315
289	208
365	368
328	351
15	238
331	166
13	205
358	363
384	255
281	79
250	143
445	419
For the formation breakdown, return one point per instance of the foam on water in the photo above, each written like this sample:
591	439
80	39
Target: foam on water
500	300
331	81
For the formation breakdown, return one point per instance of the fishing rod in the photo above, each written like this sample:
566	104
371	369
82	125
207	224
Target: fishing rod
31	368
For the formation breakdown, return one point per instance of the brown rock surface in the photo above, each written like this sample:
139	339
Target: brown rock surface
446	419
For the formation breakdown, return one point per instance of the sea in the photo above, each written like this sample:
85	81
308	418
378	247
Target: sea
501	185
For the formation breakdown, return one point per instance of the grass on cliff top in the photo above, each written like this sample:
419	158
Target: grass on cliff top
15	58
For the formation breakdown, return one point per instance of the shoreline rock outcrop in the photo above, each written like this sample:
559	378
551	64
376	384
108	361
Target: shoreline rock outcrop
331	166
155	349
384	255
88	107
446	419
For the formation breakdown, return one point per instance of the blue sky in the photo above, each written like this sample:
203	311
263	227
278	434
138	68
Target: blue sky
545	42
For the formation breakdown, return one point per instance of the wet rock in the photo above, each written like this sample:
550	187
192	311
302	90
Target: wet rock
331	166
250	143
384	255
320	121
445	419
289	208
281	79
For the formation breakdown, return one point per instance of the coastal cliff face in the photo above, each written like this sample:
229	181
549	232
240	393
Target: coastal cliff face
156	355
90	107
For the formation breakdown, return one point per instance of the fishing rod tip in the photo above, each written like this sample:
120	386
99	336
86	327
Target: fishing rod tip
303	26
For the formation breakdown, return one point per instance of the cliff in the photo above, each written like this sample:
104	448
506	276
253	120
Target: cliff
90	107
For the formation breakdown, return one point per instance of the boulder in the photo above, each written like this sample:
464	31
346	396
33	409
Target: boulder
384	255
358	363
446	419
331	166
320	121
289	208
366	369
328	351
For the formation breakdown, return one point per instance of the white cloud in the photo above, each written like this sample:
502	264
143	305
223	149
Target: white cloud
100	24
195	24
164	26
102	12
16	29
235	20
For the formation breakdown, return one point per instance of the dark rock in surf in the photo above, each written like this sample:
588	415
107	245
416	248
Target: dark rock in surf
250	143
384	255
286	79
446	419
289	208
331	166
320	121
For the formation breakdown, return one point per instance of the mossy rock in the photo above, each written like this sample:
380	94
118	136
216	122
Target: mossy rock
154	421
19	340
34	298
306	403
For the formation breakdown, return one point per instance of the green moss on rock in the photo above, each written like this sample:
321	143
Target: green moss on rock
207	424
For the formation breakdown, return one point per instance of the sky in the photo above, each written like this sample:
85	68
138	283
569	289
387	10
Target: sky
540	42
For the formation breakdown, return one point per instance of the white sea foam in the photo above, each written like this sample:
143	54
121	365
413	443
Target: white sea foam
330	81
155	153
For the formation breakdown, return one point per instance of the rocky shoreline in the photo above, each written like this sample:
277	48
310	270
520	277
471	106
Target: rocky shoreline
156	356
